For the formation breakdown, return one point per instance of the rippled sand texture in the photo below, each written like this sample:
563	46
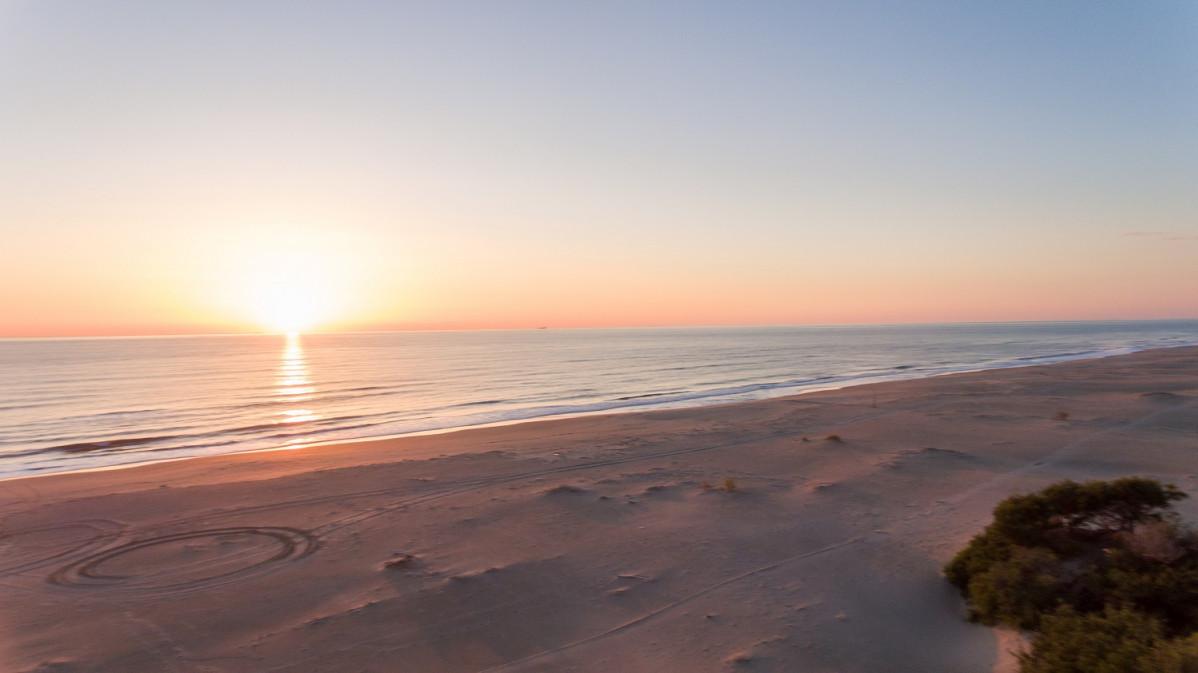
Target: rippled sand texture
591	544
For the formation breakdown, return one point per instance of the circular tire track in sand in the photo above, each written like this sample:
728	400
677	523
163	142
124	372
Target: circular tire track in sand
29	548
188	561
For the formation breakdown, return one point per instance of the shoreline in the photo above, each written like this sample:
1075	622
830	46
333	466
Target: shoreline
839	383
598	542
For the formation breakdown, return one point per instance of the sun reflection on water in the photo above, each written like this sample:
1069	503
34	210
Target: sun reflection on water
293	384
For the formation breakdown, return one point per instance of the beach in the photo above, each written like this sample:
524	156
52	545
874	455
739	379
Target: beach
801	533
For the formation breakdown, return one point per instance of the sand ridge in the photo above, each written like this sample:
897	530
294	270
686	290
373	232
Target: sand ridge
585	544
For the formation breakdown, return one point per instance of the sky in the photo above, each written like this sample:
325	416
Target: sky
238	166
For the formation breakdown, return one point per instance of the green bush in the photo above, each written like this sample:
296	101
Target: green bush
1103	571
983	551
1167	591
1179	656
1119	640
1018	589
1068	511
1116	641
1068	545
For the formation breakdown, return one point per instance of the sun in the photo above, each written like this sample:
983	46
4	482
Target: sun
291	292
291	278
286	305
287	284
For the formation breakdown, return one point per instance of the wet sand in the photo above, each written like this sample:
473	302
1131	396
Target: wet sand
603	543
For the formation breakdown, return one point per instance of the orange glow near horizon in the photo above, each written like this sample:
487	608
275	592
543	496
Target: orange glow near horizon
278	272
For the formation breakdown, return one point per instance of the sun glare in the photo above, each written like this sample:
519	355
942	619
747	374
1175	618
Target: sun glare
291	293
291	278
285	280
285	305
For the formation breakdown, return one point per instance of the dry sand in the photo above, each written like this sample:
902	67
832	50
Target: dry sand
584	544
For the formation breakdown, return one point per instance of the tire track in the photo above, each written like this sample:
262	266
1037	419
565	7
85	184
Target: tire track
1061	453
295	543
649	616
17	558
169	577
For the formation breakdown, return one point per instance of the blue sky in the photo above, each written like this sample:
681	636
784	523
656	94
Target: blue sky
499	164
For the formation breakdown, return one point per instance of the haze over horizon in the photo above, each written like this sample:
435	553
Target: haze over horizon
211	167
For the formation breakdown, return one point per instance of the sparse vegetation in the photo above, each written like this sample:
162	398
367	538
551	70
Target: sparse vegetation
400	561
728	486
1103	573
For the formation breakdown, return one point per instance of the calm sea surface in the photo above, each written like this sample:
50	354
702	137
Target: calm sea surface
68	404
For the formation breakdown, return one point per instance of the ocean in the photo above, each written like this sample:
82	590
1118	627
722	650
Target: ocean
71	404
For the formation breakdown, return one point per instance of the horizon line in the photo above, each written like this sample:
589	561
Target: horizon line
577	327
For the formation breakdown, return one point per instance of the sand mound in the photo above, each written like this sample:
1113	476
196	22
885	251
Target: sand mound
566	490
1165	398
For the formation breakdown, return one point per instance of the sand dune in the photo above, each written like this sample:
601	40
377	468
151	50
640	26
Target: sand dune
603	543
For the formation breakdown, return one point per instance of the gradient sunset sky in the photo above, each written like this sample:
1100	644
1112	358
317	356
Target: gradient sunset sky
191	167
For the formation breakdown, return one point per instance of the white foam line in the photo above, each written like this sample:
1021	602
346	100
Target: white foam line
693	399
